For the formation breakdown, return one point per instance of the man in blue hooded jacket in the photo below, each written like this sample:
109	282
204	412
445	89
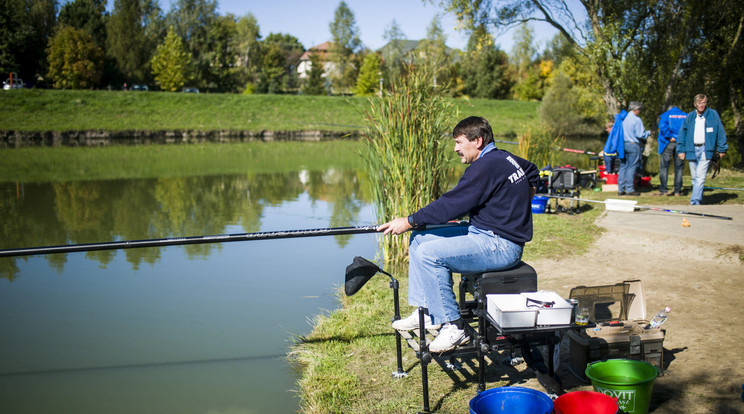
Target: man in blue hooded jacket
701	136
496	192
614	148
669	125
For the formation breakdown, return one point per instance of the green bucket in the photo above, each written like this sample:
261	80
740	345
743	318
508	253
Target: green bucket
629	381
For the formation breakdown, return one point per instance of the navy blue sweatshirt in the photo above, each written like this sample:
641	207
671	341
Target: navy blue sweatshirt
495	191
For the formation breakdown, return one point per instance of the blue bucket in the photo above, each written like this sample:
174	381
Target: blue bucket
511	400
539	204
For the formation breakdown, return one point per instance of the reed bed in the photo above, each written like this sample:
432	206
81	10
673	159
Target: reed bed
407	152
539	146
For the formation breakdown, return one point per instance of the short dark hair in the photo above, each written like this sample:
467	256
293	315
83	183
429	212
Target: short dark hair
473	127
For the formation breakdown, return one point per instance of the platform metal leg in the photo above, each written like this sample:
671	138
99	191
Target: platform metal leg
399	373
425	358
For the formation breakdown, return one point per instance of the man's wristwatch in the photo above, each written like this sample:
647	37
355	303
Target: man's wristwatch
412	223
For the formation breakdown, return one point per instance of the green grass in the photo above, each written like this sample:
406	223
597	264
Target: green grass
65	110
350	355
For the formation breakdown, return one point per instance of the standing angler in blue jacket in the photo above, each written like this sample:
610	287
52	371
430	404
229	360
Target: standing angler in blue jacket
496	192
701	136
669	125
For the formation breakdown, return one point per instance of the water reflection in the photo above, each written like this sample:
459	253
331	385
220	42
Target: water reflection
187	329
99	211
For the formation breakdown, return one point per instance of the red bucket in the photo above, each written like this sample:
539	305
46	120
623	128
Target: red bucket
611	178
585	402
602	171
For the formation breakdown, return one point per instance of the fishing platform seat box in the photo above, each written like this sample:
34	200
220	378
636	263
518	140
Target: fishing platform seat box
518	279
515	280
619	312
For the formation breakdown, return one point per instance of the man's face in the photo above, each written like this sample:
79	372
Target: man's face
701	105
468	150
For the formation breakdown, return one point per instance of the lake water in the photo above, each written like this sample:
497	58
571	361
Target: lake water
181	329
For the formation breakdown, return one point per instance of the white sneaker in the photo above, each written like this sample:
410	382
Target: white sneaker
412	322
449	338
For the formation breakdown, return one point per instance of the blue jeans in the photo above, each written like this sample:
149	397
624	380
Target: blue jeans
698	170
435	254
628	167
670	154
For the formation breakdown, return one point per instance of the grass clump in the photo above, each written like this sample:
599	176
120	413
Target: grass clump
538	145
407	152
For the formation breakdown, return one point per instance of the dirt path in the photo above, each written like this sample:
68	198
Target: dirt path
696	271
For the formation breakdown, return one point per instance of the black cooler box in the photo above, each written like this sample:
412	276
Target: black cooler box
619	312
564	178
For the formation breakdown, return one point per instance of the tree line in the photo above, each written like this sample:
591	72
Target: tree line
80	45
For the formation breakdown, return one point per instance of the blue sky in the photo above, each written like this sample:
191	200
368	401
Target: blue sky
308	20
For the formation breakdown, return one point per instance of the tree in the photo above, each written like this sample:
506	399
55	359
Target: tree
170	63
134	30
25	29
315	85
75	61
248	49
485	68
524	51
614	28
223	54
369	75
280	55
88	15
345	43
432	52
193	20
392	52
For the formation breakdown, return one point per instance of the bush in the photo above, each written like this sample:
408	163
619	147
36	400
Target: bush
407	154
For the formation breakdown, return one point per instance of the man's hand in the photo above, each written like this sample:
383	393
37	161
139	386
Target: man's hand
399	225
681	156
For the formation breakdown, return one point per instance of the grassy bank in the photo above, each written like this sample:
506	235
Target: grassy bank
63	110
350	356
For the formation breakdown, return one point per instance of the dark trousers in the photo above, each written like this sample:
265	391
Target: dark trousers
670	153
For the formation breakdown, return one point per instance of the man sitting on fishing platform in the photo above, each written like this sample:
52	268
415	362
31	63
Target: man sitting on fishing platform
496	192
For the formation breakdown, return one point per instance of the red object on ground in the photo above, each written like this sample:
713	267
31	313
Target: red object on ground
611	178
585	402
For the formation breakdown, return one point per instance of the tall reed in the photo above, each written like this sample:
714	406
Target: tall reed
538	145
407	151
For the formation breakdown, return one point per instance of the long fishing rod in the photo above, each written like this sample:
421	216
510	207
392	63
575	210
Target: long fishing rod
609	205
176	241
575	151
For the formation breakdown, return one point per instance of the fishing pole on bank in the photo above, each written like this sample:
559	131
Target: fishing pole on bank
621	205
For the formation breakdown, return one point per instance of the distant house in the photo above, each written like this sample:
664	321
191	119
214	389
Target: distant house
323	51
